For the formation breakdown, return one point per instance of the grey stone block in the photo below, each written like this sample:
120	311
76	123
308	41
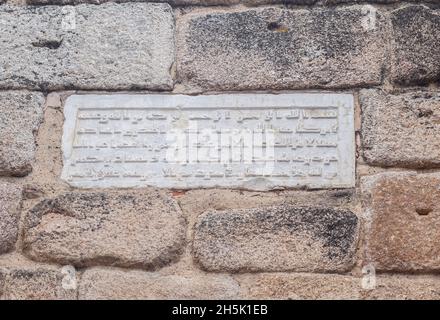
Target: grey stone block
415	52
111	46
21	114
275	48
127	229
401	129
281	238
38	282
98	283
10	202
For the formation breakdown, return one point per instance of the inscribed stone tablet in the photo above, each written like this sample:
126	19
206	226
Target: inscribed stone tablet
250	141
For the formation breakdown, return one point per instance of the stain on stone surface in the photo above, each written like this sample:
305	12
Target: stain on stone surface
49	44
290	228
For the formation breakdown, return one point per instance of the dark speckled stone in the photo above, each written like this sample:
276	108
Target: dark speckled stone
280	238
416	53
275	48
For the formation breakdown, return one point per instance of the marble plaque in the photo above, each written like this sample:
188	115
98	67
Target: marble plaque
249	141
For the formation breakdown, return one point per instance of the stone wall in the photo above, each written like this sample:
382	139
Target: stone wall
59	242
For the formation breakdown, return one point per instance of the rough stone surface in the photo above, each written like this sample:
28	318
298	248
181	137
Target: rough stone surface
21	113
117	284
36	283
404	225
10	200
280	238
274	48
195	202
401	130
224	2
2	283
415	47
404	288
182	2
340	287
130	229
212	243
299	286
374	1
112	46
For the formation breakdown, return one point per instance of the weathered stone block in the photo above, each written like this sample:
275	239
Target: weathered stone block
401	130
280	238
130	229
404	224
299	286
21	113
38	283
116	284
112	46
10	201
274	48
319	286
415	53
404	288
